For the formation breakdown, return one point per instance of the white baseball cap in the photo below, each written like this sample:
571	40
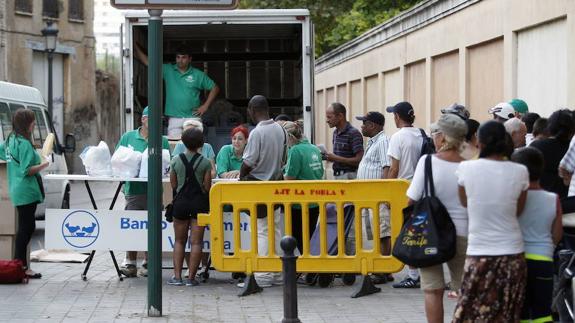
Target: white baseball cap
503	110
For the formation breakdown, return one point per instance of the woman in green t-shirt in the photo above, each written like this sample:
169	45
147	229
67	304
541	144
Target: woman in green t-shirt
303	163
230	157
23	165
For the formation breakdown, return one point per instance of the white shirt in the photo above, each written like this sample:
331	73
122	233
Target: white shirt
375	158
264	150
493	188
405	146
446	189
529	139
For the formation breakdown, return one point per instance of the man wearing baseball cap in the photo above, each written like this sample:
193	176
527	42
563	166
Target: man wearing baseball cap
375	165
520	107
404	152
502	112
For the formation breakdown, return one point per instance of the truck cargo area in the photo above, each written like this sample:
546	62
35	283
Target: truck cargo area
243	59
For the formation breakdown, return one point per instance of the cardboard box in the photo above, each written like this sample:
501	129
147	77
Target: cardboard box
8	218
7	246
3	182
167	194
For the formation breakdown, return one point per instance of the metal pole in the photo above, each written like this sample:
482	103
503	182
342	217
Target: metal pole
50	57
155	163
288	245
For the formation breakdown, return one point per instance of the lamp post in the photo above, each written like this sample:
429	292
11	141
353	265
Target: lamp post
50	33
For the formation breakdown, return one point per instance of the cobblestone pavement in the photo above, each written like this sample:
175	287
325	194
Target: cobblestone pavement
61	296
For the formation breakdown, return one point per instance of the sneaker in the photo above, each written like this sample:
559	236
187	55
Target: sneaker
262	284
378	278
192	282
407	283
129	271
175	282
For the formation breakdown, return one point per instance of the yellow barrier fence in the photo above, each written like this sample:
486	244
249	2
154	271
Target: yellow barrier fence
276	198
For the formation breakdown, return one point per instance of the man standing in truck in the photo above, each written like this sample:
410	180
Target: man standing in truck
183	86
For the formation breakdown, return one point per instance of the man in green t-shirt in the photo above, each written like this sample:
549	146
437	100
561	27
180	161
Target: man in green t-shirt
183	86
136	192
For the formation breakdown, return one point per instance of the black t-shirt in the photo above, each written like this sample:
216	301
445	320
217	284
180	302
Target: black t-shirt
553	151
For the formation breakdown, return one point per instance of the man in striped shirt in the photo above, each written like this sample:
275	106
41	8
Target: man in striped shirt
347	143
375	165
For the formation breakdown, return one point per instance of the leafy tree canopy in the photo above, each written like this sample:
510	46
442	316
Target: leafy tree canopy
338	21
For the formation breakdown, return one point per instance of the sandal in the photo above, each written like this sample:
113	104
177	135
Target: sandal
34	276
452	294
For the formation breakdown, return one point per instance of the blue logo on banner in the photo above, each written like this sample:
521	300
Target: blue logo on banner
80	229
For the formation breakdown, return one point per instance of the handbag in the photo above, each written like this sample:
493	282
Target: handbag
428	235
12	272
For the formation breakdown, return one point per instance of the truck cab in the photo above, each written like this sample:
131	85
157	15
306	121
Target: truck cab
14	97
245	52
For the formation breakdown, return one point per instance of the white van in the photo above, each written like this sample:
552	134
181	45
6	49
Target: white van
16	96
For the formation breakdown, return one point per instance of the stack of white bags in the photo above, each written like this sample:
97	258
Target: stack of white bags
125	163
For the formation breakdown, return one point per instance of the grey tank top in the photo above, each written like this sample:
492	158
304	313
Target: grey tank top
536	222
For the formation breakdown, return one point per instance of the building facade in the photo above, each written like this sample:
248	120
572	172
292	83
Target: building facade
474	52
23	60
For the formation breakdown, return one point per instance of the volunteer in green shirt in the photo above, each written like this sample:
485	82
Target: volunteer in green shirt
303	163
183	86
136	192
229	160
207	150
23	165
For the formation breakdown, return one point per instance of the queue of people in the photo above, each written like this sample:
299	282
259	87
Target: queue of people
501	183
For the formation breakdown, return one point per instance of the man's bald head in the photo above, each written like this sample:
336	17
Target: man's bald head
258	103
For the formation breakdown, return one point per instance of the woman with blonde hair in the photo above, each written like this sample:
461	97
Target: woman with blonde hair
303	163
448	135
207	150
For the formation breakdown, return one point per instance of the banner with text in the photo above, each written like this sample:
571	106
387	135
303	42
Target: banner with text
122	230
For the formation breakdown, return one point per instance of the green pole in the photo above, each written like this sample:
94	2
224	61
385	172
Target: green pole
155	53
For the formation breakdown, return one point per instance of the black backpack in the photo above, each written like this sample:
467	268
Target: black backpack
428	235
191	199
427	146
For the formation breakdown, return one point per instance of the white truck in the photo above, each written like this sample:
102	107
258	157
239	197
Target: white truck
246	52
14	97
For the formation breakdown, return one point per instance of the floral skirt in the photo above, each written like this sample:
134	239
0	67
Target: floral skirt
492	289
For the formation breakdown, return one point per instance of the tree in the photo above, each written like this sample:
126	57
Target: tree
338	21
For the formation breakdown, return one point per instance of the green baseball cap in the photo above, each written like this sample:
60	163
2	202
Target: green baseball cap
145	112
519	106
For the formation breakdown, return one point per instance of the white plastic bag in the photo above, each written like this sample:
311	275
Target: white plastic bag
165	163
126	162
96	160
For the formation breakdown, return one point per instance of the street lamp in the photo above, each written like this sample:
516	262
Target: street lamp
50	33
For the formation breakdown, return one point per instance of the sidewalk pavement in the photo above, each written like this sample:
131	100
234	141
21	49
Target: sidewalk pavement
62	296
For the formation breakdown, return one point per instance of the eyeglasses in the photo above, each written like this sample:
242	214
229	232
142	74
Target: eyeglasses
434	133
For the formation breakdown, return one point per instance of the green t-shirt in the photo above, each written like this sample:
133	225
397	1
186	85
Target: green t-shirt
138	143
183	90
20	155
177	166
304	162
227	160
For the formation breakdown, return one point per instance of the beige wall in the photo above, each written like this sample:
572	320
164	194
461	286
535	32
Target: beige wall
484	78
473	56
444	82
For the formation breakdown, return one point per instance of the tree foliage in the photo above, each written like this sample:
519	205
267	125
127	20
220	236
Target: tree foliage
338	21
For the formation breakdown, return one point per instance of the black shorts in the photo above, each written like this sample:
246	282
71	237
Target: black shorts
537	305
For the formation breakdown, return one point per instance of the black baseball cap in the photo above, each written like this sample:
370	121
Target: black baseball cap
374	117
403	109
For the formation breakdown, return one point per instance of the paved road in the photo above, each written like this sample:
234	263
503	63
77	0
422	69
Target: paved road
61	296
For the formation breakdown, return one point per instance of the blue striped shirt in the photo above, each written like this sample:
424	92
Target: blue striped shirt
346	143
